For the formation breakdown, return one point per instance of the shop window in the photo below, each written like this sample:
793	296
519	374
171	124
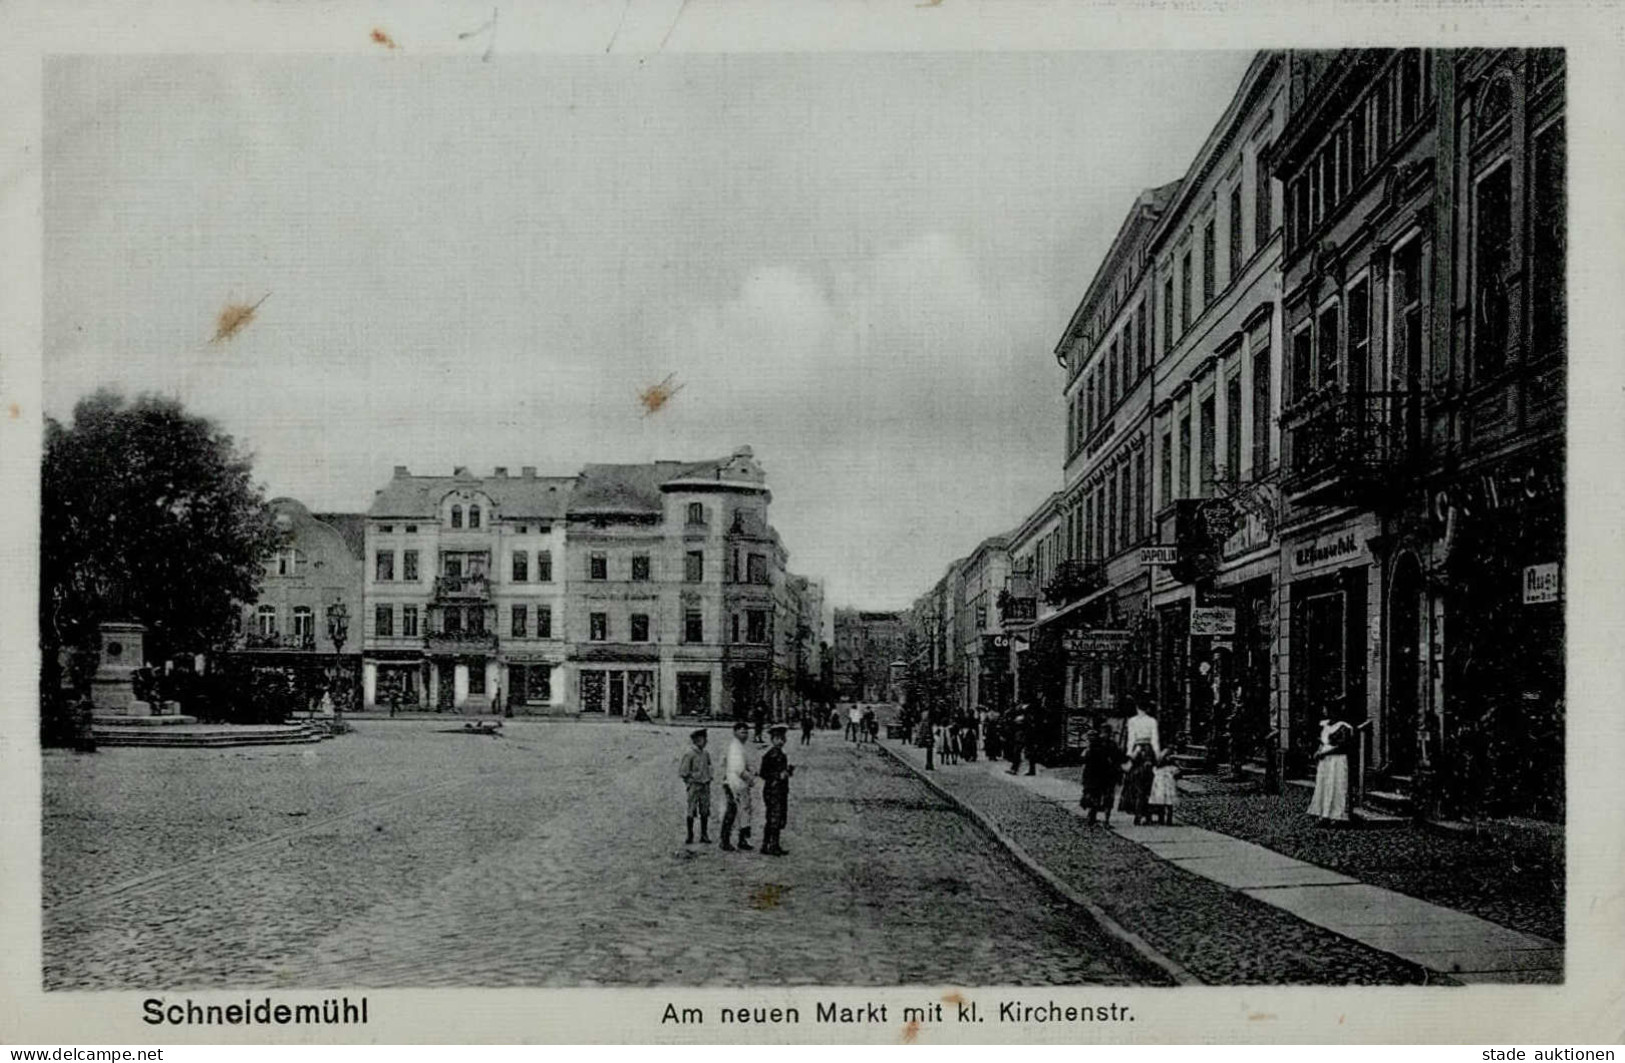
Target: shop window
1492	254
409	565
598	627
693	693
383	621
521	566
592	691
640	627
409	621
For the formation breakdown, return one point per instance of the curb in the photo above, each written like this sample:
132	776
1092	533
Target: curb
1109	926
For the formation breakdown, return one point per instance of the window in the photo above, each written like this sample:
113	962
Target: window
544	621
409	565
517	624
1184	455
289	562
693	628
1185	293
1492	255
598	567
304	623
1166	475
756	568
386	529
1410	87
1261	410
1262	207
473	516
265	620
1126	510
476	619
1303	363
1343	182
521	566
1129	375
1100	521
735	619
1140	341
1142	490
1407	287
456	516
544	566
1071	425
598	627
1549	242
1090	547
1326	336
411	529
694	566
1209	456
1167	314
476	679
640	627
756	626
1111	515
524	529
409	621
1232	428
1384	116
1357	146
696	513
1359	326
1235	232
1111	378
640	568
1094	404
451	620
1209	261
383	621
384	566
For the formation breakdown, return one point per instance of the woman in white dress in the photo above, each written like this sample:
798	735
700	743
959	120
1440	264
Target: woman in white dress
1144	747
1331	801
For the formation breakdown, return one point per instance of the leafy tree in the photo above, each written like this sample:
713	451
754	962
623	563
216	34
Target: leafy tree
148	513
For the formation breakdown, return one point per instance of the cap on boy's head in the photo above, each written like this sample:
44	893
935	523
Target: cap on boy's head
778	732
741	725
697	734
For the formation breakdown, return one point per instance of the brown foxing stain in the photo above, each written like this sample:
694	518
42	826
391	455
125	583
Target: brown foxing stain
15	411
767	896
953	998
655	396
380	37
911	1031
1260	1016
234	318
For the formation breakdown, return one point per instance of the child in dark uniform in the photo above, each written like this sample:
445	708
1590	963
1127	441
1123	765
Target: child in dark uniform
775	774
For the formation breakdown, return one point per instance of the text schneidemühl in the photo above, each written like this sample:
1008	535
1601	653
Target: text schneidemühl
334	1011
870	1013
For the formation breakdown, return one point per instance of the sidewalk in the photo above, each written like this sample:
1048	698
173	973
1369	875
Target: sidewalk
1232	912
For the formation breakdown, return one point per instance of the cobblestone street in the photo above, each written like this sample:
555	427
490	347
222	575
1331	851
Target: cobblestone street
403	855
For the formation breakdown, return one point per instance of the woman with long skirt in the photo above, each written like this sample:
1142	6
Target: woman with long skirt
1144	747
1330	805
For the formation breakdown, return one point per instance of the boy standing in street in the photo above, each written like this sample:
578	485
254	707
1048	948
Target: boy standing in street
695	768
776	772
737	780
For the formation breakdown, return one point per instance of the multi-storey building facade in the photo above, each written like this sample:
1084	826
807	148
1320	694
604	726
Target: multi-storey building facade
983	642
317	567
1023	604
465	591
1213	434
867	644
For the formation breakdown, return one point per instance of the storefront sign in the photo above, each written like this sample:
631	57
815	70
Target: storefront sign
1542	583
1096	643
1512	488
1159	555
995	643
1213	620
1327	550
1256	507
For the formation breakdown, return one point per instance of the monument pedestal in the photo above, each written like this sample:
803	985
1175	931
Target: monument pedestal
112	688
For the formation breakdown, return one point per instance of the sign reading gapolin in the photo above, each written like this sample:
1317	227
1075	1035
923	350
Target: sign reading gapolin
1159	555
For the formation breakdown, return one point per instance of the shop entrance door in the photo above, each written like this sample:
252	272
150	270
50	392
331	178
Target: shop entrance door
448	685
1317	658
617	693
1400	716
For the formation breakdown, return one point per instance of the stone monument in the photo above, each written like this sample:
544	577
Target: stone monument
112	689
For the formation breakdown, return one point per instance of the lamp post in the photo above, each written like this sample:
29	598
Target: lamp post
338	629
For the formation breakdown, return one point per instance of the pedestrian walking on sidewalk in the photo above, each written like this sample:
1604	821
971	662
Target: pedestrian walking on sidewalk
806	727
1144	747
1102	768
1031	739
1015	732
947	746
695	769
737	780
854	719
776	772
870	725
992	738
967	740
1164	789
1330	804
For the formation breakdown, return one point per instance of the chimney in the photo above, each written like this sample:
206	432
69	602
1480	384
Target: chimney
529	472
460	471
401	471
500	472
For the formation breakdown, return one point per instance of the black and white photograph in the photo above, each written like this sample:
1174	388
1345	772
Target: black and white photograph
1084	521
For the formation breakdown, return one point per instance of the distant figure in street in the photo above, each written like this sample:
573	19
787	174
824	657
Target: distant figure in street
870	725
992	740
806	726
737	780
1164	789
1014	732
922	738
947	743
776	772
695	769
1030	739
394	701
1330	805
1102	768
967	740
1144	747
854	720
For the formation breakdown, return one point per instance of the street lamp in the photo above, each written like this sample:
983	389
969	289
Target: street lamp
338	629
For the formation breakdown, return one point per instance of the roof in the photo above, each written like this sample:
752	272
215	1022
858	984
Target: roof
352	528
537	497
637	488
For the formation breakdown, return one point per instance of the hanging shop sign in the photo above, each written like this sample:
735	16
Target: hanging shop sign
992	644
1213	620
1542	583
1093	644
1159	555
1016	609
1256	509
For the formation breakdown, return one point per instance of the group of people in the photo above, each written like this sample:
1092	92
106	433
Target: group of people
1143	779
862	725
738	787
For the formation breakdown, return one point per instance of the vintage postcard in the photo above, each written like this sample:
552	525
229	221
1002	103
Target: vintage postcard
847	524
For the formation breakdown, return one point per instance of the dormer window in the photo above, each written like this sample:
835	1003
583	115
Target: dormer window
456	516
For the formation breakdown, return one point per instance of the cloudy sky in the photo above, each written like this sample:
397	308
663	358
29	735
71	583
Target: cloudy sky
856	264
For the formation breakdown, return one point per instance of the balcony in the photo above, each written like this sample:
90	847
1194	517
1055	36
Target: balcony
464	588
1347	448
274	641
459	642
1074	580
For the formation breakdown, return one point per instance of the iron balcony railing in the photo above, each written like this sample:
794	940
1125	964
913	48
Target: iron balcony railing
477	587
277	641
1073	580
461	641
1346	442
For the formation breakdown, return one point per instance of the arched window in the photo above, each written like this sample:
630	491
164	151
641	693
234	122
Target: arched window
473	516
456	516
266	620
